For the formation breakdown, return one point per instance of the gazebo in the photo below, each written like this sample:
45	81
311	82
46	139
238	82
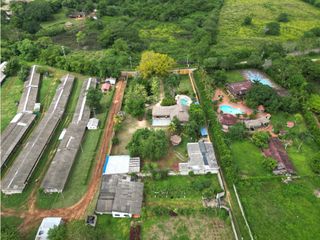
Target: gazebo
175	140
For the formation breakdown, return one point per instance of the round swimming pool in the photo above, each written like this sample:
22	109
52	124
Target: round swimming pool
230	110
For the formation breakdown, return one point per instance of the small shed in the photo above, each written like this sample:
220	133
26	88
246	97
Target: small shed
93	124
47	224
111	80
105	87
175	140
37	107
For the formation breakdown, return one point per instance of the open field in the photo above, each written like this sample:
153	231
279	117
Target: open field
182	195
11	91
248	159
185	86
293	207
196	226
234	36
80	174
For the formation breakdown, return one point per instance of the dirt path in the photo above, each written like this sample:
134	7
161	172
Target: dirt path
78	210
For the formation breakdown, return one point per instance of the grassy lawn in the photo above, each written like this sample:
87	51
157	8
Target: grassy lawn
80	174
234	36
248	159
185	85
293	207
234	76
11	91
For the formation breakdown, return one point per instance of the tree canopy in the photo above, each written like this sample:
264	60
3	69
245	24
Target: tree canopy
135	100
149	144
153	63
94	96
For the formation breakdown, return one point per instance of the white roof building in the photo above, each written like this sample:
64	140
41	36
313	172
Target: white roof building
121	164
93	124
2	68
202	159
111	80
47	224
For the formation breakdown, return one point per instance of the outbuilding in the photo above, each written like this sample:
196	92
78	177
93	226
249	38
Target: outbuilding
93	124
111	80
105	87
47	224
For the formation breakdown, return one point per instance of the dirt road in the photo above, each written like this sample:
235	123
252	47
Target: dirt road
78	210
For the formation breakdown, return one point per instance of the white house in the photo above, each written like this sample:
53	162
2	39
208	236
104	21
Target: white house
47	224
93	124
111	80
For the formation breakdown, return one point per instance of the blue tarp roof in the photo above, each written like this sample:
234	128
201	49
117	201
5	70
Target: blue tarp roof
204	131
105	164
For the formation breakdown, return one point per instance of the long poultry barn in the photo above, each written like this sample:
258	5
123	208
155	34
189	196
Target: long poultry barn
23	166
24	118
60	167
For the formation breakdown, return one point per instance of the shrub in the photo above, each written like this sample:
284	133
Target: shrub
247	20
315	163
272	28
283	17
168	101
269	164
260	139
115	140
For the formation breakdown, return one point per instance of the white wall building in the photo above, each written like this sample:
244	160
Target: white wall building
93	124
47	224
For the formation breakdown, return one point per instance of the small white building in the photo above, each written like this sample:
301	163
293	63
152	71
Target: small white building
93	124
47	224
111	80
121	164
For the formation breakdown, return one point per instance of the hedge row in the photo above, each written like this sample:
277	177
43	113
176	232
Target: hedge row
222	150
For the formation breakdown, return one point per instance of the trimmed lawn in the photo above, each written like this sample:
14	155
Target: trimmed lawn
11	91
276	210
234	76
233	35
80	174
249	159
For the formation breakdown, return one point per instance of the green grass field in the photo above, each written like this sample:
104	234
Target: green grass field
185	85
248	159
11	91
234	36
276	210
234	76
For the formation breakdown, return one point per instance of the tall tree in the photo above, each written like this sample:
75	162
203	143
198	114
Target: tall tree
153	63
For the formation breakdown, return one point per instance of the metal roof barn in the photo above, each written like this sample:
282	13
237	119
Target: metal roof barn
23	120
21	170
60	167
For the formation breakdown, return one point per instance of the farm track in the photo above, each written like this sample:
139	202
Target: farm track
78	210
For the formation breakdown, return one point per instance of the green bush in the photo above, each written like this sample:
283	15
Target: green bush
269	164
272	28
315	163
168	101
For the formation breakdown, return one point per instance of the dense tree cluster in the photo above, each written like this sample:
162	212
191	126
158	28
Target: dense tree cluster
149	144
135	99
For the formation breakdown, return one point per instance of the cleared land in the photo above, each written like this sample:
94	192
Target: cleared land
174	209
233	35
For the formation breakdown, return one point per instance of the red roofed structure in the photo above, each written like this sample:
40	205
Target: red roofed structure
238	89
228	119
105	87
277	151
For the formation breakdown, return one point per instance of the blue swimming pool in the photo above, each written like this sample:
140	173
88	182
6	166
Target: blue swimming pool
258	77
184	102
230	110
